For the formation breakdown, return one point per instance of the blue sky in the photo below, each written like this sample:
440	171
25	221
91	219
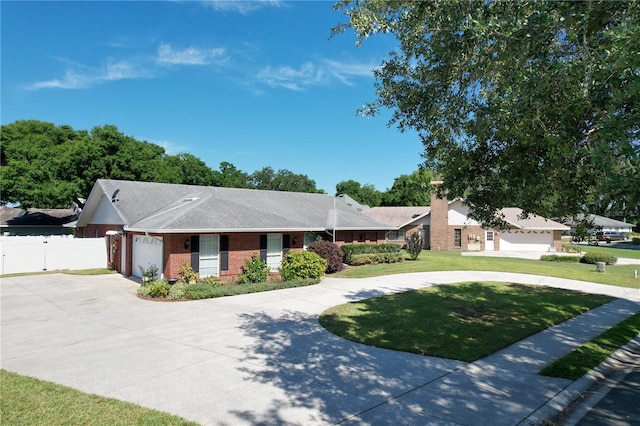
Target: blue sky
254	84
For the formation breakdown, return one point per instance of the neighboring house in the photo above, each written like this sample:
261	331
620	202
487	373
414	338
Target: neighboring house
601	224
213	229
446	225
18	221
405	219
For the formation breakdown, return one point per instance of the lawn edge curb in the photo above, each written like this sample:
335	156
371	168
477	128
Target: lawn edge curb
613	369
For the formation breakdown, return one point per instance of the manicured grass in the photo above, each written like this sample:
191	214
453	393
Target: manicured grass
464	321
613	251
29	401
618	275
578	362
94	271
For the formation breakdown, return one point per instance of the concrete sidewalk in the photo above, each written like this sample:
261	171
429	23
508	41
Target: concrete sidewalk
264	359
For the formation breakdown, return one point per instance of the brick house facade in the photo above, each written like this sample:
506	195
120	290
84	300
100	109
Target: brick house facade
446	225
214	230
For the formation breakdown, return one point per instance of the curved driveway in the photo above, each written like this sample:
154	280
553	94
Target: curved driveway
263	359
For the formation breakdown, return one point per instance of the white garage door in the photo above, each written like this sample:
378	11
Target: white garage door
147	251
526	240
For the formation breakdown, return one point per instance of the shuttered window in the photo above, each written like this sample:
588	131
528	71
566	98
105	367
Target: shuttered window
274	251
209	255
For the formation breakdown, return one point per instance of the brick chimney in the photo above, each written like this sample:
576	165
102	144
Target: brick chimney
439	220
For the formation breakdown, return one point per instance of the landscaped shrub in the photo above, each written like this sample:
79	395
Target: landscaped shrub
143	290
559	258
255	270
635	240
595	257
414	245
200	291
571	248
302	264
375	258
212	280
187	274
176	292
352	249
207	291
159	288
329	252
149	274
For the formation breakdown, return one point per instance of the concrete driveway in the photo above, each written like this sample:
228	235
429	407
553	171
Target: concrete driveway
264	359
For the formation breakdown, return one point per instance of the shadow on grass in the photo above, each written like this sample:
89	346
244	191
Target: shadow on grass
464	321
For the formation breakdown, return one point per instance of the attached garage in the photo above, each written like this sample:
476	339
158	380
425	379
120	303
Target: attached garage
147	251
526	240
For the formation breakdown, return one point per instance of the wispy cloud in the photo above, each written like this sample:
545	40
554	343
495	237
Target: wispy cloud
309	74
241	6
80	77
168	55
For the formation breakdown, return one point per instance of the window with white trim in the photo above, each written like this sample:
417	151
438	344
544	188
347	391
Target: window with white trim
209	255
274	251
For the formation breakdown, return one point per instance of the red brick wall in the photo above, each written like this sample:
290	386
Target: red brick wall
557	240
440	223
359	237
241	247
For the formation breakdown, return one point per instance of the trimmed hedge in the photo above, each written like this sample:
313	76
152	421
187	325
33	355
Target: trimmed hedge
595	257
635	240
208	291
571	248
353	249
375	258
301	265
558	258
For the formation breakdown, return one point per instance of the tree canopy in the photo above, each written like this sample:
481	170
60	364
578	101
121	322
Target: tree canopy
518	103
48	166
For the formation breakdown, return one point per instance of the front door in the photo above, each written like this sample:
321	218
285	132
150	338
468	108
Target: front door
488	240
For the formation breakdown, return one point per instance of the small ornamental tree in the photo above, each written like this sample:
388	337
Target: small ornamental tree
255	270
329	252
302	265
414	245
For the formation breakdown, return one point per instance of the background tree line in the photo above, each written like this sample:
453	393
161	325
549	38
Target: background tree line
48	166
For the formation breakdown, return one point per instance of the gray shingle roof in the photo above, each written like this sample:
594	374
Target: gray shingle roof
601	221
161	207
397	216
513	216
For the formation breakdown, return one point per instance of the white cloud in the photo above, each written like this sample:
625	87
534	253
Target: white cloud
241	6
82	77
170	148
167	55
309	74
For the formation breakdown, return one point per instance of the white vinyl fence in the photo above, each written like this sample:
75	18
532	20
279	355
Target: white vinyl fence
33	254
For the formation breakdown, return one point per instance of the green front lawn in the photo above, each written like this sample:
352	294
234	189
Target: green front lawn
29	401
591	354
465	321
618	275
613	250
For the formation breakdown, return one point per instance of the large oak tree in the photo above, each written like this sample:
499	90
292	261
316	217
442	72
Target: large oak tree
527	103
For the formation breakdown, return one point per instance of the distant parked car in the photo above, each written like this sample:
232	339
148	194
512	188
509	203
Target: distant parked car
609	236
